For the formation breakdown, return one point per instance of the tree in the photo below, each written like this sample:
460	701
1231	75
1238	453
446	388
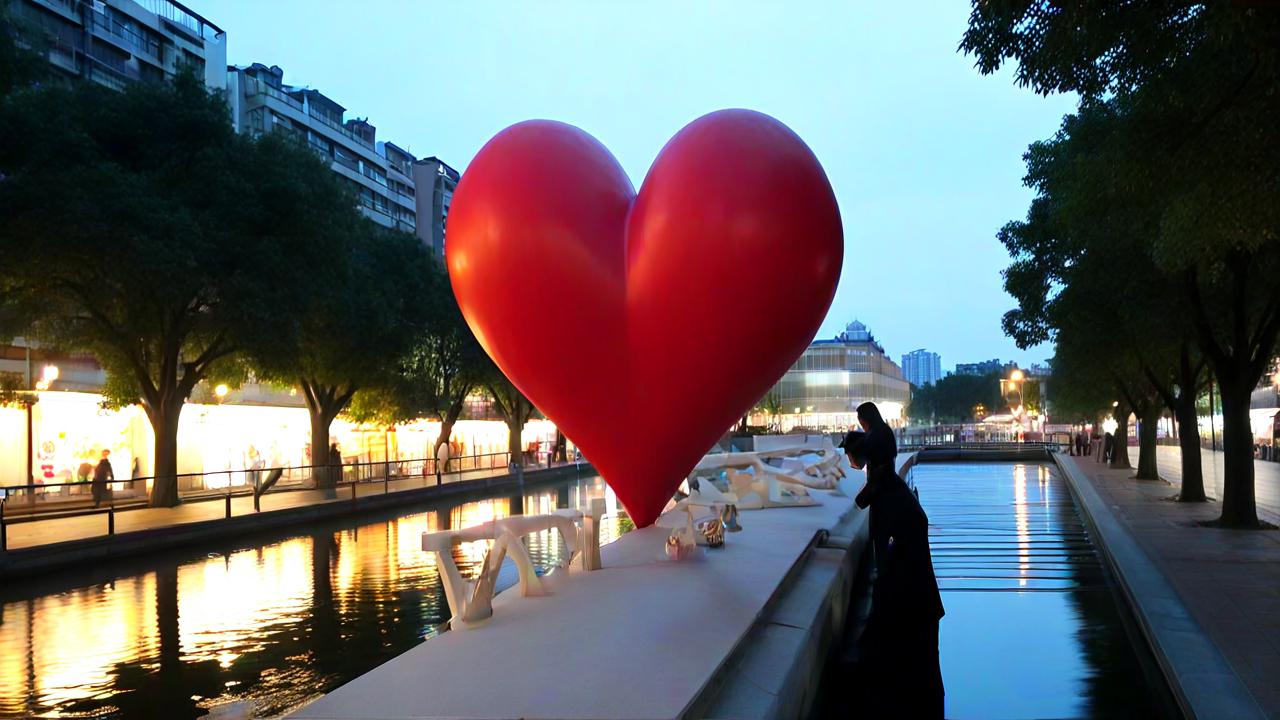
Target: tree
376	301
444	365
1194	85
21	65
141	228
953	398
515	409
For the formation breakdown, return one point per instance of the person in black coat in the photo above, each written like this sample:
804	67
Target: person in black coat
900	642
102	474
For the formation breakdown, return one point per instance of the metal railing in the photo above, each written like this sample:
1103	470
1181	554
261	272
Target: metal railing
1050	444
43	501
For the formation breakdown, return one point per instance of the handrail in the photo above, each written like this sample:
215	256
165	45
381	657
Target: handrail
349	475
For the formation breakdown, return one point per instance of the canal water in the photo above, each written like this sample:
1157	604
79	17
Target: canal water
1033	627
251	630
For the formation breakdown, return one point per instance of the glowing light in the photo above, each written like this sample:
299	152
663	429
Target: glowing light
1020	515
1016	376
50	374
221	390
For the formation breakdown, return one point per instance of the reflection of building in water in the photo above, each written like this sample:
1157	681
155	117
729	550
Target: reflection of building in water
833	377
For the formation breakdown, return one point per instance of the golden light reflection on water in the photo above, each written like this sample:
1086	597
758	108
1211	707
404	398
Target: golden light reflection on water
1020	513
268	626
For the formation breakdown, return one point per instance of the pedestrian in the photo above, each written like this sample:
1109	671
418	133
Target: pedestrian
1108	447
102	474
335	462
255	466
900	642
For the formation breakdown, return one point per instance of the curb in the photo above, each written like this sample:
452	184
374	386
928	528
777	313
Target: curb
1202	682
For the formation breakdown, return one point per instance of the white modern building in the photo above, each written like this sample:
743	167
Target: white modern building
832	378
921	367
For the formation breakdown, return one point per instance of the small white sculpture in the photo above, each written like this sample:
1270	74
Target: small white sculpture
472	601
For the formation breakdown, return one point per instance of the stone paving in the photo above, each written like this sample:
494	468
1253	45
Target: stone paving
1266	477
1229	580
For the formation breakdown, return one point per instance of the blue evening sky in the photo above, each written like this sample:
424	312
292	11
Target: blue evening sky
923	152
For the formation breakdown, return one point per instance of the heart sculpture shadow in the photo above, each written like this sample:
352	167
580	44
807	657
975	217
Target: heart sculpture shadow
645	324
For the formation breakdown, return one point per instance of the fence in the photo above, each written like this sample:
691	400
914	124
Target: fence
42	501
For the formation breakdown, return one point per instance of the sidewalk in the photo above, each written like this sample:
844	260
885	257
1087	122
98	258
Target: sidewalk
1228	580
23	535
1266	477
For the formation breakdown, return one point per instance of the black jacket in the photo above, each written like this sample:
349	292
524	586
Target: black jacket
905	588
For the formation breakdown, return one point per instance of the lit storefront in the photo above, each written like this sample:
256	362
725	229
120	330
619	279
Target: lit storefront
224	442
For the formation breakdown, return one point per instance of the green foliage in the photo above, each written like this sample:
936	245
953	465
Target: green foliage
953	399
361	320
21	64
442	365
1152	245
140	228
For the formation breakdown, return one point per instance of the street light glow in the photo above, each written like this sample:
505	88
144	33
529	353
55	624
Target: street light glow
222	390
1016	375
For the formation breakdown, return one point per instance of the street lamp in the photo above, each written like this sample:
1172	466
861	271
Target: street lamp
221	392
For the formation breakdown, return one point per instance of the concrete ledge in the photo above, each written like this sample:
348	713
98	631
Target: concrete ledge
777	668
25	562
641	638
1202	681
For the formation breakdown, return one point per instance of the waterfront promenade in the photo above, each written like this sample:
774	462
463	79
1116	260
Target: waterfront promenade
1266	477
41	545
1227	580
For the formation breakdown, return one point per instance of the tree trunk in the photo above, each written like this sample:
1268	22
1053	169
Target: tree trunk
164	488
1189	445
323	475
447	421
1239	508
1149	422
514	426
1120	442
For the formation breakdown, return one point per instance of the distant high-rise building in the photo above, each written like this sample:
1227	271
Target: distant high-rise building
921	367
986	367
116	42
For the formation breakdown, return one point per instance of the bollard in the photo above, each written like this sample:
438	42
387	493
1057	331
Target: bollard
228	501
111	519
4	530
353	492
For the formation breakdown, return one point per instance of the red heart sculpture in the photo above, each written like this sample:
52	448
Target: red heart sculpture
645	325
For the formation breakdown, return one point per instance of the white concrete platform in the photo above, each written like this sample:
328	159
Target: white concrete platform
639	639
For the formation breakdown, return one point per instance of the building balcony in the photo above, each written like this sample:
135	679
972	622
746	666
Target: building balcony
339	128
127	39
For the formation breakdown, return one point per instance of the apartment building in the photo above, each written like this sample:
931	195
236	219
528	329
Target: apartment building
115	42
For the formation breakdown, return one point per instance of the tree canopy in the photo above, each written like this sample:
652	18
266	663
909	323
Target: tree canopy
1153	235
142	229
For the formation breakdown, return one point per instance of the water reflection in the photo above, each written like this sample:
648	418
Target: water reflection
1032	627
265	627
